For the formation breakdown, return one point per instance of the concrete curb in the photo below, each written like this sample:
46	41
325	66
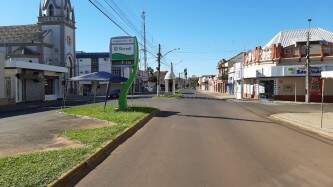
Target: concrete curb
73	176
296	126
299	129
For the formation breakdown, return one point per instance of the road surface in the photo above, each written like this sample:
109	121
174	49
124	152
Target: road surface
208	143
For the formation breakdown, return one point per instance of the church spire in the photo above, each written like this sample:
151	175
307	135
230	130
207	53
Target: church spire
40	9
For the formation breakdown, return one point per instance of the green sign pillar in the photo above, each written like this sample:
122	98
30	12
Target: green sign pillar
126	49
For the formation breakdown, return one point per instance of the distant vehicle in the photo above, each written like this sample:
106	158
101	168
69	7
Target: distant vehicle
114	94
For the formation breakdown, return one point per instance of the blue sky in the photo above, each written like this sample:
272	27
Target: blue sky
206	31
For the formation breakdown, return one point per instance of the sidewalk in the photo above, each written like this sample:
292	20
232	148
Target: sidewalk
309	121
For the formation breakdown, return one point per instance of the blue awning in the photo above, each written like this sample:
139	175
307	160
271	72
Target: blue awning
99	76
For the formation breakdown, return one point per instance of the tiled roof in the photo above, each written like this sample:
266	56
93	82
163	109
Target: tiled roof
287	38
20	34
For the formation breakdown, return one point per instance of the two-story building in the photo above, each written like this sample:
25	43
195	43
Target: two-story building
221	81
277	70
235	75
100	61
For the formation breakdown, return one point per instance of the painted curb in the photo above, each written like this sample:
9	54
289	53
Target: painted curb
73	176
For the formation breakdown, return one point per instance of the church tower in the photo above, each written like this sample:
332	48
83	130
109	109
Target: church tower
57	21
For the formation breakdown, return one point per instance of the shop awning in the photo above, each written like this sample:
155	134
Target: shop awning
327	74
99	76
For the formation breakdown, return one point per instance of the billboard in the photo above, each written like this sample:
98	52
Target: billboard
122	48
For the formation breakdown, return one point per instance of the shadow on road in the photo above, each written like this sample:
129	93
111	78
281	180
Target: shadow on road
165	114
203	98
220	117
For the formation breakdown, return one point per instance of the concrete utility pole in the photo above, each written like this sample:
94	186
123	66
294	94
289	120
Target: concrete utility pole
159	56
307	65
144	41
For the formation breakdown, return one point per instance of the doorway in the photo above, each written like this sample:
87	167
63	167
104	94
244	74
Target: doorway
267	89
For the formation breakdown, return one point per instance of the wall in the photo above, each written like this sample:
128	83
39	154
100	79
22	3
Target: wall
34	91
2	76
286	86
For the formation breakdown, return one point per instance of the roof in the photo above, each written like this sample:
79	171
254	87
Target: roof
99	76
20	34
288	38
237	58
92	55
170	76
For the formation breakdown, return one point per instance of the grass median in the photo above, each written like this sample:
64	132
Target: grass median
42	168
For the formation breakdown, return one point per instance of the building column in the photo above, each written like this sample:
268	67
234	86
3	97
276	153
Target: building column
166	86
174	87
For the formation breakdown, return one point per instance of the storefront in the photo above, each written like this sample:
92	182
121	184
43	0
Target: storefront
283	82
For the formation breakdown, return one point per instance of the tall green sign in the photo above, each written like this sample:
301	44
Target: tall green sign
126	49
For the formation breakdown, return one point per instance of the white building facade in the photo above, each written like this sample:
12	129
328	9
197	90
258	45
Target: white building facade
39	57
237	75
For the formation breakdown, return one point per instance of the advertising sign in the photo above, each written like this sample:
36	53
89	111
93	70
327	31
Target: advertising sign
125	48
122	48
302	70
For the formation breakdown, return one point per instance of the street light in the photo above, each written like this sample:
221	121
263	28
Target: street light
176	49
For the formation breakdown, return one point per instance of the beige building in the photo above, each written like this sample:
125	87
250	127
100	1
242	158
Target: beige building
277	71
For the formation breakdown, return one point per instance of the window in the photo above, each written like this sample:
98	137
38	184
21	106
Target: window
288	51
94	65
68	14
49	90
51	10
116	71
69	40
8	87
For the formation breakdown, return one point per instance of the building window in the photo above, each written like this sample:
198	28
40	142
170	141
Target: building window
69	40
68	14
51	10
288	51
116	71
8	87
49	89
94	65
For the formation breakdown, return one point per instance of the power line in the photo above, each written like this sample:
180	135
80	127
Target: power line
105	14
123	17
114	22
127	21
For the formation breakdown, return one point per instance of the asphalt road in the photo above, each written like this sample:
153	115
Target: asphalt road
208	143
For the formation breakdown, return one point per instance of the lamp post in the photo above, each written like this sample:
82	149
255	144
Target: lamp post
159	58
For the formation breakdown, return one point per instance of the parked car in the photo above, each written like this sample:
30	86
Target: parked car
114	94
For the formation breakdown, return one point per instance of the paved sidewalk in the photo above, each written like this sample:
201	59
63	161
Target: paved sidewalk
309	121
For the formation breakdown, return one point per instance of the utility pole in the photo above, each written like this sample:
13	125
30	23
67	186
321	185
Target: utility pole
307	66
144	40
179	82
159	56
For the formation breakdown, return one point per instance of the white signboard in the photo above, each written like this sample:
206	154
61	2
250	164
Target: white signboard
123	46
